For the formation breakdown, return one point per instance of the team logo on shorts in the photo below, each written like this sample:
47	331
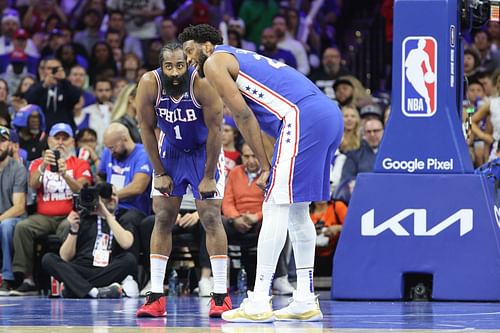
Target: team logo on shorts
419	76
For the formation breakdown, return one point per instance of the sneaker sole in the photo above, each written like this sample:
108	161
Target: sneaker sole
215	315
249	319
146	315
307	316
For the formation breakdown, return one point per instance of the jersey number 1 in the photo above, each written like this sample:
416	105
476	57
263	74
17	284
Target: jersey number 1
177	131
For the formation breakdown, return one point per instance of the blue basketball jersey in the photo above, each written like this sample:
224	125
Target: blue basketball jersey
307	126
271	88
181	120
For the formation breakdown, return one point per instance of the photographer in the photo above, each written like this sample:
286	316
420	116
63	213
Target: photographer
93	258
55	95
55	177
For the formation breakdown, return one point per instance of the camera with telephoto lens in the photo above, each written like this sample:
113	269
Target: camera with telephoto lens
87	200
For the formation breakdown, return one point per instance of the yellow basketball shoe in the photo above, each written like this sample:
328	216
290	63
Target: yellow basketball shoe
306	309
251	310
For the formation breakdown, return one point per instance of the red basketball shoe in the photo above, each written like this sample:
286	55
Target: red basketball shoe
219	303
155	306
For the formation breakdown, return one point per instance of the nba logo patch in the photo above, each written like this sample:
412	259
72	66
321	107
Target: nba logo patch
419	88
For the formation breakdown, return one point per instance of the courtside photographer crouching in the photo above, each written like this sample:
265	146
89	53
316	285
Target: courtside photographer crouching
94	257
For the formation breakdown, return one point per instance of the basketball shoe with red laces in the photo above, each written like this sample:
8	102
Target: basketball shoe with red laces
219	303
155	306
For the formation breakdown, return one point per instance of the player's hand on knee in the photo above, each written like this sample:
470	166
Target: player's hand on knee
164	184
207	188
262	180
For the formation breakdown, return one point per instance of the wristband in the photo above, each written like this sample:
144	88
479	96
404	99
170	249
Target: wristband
71	232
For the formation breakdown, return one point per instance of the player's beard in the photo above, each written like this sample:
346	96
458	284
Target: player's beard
201	61
178	89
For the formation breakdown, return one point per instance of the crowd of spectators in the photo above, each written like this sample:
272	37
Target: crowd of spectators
68	75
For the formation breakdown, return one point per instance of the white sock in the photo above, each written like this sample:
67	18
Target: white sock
93	292
29	280
219	271
263	280
158	267
272	238
303	236
305	287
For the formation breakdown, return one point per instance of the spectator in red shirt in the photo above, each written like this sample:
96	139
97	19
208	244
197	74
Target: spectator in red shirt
55	188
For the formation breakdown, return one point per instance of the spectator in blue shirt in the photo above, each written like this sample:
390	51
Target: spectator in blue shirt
269	48
126	165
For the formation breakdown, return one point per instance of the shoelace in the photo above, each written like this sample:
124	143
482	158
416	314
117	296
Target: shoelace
152	297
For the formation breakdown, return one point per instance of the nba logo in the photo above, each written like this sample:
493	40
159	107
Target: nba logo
419	84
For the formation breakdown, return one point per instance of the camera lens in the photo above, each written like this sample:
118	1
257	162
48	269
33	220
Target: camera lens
105	190
89	198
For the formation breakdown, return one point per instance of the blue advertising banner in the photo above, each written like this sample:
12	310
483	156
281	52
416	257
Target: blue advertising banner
422	210
434	224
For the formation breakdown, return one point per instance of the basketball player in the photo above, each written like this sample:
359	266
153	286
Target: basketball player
265	94
188	112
